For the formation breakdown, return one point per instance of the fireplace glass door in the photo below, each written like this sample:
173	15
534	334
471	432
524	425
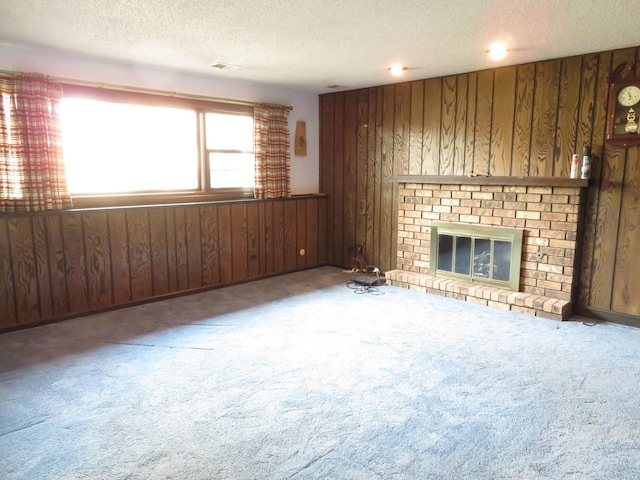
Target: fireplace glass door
474	253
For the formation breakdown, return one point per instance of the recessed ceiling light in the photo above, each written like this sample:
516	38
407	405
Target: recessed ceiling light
498	51
397	69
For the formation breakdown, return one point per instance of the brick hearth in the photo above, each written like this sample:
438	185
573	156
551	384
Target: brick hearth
549	215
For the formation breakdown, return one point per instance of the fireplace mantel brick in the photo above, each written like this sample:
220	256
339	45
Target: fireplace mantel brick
548	215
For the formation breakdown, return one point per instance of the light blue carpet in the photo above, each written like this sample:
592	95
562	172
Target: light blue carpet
298	377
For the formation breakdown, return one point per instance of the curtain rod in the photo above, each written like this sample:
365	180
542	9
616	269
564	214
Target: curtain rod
166	93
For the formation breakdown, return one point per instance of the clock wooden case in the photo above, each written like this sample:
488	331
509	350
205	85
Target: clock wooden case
624	112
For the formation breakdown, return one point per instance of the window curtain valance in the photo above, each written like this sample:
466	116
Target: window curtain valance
272	151
32	173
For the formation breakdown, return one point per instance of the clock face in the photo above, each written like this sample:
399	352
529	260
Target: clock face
629	96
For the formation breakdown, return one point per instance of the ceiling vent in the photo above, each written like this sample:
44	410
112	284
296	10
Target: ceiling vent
336	86
224	66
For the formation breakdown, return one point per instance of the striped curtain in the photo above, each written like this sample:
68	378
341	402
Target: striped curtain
32	173
272	151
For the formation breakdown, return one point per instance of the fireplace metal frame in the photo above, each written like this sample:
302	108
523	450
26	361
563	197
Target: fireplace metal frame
512	235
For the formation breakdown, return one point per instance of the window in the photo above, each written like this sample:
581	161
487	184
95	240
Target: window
124	147
229	144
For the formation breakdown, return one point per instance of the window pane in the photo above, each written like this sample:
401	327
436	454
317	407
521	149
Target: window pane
118	148
229	132
229	170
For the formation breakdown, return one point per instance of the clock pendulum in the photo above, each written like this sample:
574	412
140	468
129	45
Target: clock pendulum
632	125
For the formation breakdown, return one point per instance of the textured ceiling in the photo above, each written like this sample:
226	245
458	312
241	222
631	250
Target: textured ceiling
310	44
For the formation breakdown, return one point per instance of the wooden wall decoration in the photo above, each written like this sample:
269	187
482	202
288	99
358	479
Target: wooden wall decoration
512	121
55	265
300	147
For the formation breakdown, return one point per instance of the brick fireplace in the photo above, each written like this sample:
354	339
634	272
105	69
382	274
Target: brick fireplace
546	209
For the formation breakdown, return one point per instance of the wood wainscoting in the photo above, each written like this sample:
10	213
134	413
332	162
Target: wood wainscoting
57	265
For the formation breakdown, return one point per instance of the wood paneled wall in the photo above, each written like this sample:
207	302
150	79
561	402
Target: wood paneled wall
58	264
517	120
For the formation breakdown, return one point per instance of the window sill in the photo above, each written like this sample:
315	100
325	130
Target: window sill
111	201
200	200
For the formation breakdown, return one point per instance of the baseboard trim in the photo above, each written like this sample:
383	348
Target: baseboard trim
609	316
